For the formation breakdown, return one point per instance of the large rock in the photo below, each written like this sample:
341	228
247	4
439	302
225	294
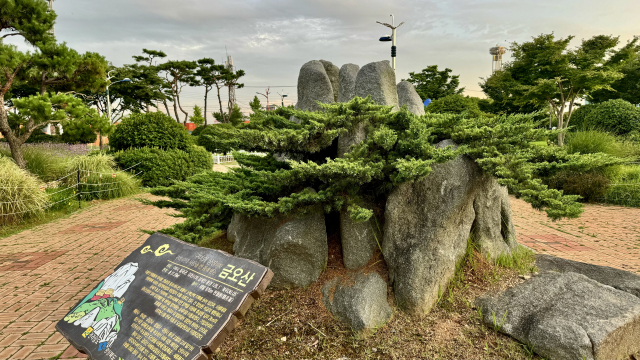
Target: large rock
314	85
428	223
294	248
619	279
333	74
347	82
360	301
353	137
407	95
378	80
567	316
359	240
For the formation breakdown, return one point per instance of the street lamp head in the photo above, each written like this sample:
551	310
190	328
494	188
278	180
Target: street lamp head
386	38
285	95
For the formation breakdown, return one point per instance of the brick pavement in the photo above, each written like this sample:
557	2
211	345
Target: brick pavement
46	270
606	235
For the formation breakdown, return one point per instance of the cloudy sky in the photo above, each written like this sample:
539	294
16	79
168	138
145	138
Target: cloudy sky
271	39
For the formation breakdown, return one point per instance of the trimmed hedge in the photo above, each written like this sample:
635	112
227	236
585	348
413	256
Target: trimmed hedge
615	116
161	167
153	129
219	138
454	104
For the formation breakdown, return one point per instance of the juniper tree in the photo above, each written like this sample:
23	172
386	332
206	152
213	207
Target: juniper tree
399	147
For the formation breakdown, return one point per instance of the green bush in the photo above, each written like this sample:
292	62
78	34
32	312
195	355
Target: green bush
595	141
21	194
590	186
153	129
616	116
625	185
454	104
579	117
219	138
161	167
96	177
78	132
198	130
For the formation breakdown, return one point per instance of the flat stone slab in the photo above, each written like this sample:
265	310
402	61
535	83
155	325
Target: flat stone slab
616	278
567	316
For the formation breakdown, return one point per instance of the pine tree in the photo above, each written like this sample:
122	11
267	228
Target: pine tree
255	104
399	147
197	117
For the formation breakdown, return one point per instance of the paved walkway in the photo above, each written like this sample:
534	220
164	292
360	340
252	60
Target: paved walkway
604	235
46	270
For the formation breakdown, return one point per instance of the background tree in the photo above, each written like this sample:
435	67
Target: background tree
255	104
455	104
209	75
178	73
30	19
197	117
627	61
145	74
231	82
545	71
433	84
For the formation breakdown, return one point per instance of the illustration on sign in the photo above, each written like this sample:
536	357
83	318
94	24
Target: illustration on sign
168	300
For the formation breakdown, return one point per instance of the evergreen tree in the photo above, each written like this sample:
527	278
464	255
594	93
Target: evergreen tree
197	117
433	84
399	147
255	104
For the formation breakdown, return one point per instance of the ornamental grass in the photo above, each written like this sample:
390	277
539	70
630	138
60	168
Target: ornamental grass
22	195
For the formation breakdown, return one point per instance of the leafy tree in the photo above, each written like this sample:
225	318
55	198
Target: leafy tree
51	65
178	74
398	147
433	84
148	78
545	71
30	19
209	75
627	59
255	104
455	104
505	93
197	117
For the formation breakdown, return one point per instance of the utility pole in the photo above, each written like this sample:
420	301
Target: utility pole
232	91
391	38
266	95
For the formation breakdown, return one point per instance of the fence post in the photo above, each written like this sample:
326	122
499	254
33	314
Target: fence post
78	189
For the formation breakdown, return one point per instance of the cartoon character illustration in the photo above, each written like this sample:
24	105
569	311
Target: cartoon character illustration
100	311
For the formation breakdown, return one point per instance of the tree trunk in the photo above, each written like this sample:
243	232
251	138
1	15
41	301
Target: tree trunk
175	108
561	126
206	92
166	107
100	137
220	102
14	142
186	114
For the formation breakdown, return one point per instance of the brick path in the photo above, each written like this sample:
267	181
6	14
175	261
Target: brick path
46	270
604	235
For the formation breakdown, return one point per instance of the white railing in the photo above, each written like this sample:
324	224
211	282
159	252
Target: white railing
219	159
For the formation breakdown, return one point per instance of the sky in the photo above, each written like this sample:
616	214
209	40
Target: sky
271	39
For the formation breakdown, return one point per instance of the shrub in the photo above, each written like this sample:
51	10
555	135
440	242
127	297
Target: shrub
616	116
590	186
78	132
625	187
579	117
454	104
21	194
96	177
219	138
595	141
161	167
48	161
153	129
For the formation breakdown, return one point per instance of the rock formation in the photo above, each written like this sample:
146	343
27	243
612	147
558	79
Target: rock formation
407	95
359	240
427	226
378	80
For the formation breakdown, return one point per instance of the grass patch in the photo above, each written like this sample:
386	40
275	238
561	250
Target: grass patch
22	195
521	260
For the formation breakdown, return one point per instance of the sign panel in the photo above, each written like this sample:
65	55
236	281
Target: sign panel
168	300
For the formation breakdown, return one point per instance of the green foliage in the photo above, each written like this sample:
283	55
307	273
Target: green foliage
21	194
627	60
78	132
30	19
197	117
455	104
96	177
399	147
595	141
235	118
625	185
616	116
521	259
590	186
153	129
219	138
580	115
433	84
164	167
255	104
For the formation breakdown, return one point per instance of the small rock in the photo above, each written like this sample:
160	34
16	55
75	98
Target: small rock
359	301
284	338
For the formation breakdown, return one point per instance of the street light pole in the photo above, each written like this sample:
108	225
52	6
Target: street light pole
109	77
393	39
282	96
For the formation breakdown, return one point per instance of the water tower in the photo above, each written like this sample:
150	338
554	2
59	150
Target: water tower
497	52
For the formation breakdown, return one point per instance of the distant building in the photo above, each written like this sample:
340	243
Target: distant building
271	107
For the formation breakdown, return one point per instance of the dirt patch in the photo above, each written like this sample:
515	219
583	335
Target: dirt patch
294	324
